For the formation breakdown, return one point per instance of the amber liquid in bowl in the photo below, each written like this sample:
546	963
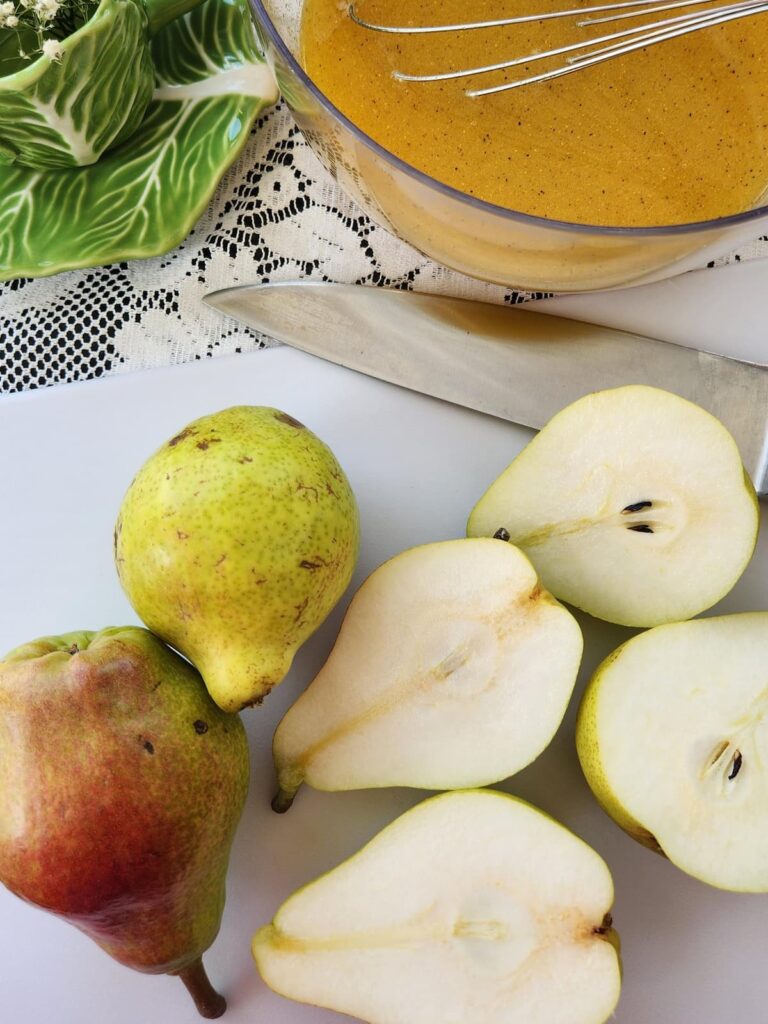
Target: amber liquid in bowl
672	134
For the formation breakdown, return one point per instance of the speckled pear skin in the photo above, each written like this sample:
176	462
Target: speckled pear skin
234	542
121	786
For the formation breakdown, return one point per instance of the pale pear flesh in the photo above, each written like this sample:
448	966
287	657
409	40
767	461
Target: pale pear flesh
453	668
673	738
474	906
234	542
633	505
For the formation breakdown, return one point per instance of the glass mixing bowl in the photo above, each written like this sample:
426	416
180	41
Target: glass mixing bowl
468	234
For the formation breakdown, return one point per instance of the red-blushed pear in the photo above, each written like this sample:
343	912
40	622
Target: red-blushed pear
472	908
234	542
121	786
633	505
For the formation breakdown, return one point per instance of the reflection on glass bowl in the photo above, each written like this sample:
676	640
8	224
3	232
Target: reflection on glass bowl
486	241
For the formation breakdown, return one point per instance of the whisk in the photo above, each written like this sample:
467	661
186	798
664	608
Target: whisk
585	53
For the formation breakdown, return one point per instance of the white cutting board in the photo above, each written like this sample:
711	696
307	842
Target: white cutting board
692	955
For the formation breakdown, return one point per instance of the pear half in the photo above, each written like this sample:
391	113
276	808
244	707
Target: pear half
472	907
453	668
633	505
672	736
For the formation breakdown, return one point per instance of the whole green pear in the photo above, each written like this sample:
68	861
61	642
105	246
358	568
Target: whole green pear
121	786
234	542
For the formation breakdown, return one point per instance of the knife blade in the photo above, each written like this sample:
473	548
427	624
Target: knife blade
506	361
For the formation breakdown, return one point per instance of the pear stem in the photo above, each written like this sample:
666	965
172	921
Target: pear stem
283	801
207	1000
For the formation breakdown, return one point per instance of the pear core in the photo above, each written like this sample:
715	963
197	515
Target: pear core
672	735
474	906
453	668
633	505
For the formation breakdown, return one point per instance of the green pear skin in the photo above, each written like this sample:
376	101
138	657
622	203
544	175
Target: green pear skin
121	786
588	750
234	542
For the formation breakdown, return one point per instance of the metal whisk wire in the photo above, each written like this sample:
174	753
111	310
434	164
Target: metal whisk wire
583	53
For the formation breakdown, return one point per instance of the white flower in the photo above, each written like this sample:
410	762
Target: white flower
27	3
52	49
8	17
46	10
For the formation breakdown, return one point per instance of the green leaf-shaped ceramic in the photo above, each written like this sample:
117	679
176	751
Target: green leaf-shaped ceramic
144	196
67	112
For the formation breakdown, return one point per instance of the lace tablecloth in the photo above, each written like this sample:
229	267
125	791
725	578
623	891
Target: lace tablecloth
276	215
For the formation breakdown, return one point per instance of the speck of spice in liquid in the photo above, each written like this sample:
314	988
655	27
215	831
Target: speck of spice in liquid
671	134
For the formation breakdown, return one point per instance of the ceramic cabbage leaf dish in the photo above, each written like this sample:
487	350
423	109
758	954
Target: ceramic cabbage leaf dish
142	197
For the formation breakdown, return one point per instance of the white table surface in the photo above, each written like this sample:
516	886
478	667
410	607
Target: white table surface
692	955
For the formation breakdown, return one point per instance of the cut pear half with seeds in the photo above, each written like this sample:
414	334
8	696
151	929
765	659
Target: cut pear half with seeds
473	908
673	739
633	505
453	668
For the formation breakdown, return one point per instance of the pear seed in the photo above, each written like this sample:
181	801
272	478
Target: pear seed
737	761
637	507
719	751
501	534
641	528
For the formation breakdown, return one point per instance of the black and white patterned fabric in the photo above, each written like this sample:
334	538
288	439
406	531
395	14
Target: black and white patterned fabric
276	215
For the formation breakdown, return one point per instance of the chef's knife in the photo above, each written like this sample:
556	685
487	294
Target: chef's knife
506	361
